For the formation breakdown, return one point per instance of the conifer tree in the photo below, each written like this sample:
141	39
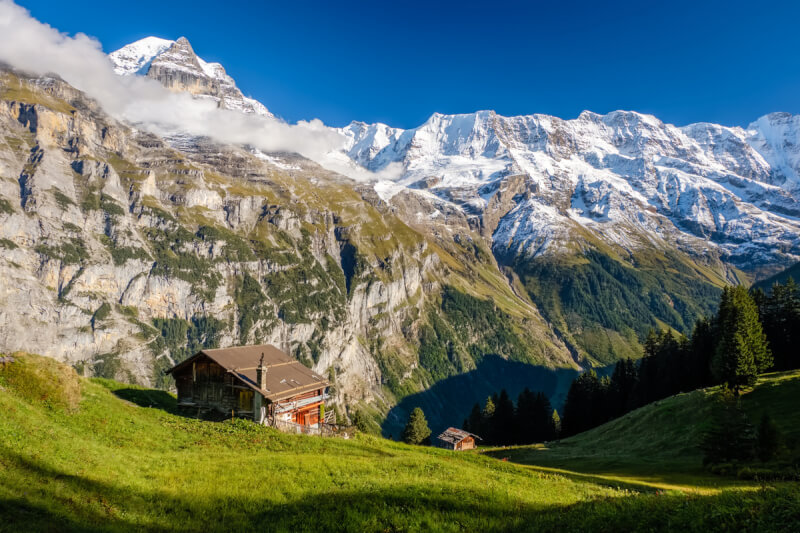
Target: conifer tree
731	437
487	421
701	348
621	388
580	407
544	428
503	420
417	430
780	315
556	424
768	439
534	419
473	423
524	420
742	352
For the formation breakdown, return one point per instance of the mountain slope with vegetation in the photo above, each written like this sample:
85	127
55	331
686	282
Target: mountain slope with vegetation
660	443
97	455
129	251
781	277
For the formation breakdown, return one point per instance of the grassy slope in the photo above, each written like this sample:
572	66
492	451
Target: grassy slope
108	464
114	465
658	444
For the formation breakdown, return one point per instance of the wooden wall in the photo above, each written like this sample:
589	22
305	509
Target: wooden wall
205	384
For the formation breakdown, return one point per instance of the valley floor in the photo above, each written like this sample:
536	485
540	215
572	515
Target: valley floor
110	457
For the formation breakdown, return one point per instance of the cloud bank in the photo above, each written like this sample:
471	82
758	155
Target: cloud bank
32	46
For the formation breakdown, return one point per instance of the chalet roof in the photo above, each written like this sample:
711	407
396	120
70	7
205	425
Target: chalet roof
455	435
286	376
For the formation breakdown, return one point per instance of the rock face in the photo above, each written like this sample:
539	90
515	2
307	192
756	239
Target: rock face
177	67
542	241
123	254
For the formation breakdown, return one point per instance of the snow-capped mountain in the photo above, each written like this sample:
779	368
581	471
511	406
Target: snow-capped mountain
626	177
178	68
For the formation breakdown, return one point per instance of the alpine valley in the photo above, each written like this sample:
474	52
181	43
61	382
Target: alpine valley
486	252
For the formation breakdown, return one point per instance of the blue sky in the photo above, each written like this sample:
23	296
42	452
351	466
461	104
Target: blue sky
398	62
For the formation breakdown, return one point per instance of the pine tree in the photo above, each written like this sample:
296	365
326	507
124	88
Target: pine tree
622	386
556	425
780	315
702	347
731	438
525	418
503	420
417	430
742	352
473	423
651	343
544	428
487	421
580	407
768	439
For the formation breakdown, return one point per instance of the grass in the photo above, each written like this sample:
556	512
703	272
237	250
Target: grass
15	89
657	445
122	460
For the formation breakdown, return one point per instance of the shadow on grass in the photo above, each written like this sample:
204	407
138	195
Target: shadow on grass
149	398
448	402
36	497
618	471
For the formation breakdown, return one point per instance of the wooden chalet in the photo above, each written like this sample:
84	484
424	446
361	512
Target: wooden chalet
456	439
258	382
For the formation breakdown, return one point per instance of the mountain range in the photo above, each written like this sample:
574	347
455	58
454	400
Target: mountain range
485	252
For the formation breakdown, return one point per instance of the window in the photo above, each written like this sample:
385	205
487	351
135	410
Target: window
245	400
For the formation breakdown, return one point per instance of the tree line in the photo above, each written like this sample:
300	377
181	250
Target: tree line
751	333
500	422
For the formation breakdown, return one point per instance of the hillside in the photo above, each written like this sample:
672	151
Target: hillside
658	443
147	248
97	455
171	212
781	277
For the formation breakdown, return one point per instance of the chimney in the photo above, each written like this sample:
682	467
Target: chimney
261	373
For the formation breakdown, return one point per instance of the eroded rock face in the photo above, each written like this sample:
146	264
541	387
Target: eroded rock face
122	253
175	65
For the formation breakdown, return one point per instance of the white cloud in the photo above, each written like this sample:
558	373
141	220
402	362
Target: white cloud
32	46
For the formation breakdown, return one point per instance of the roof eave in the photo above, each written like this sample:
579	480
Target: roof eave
294	392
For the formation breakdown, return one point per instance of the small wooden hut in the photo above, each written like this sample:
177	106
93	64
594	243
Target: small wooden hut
259	382
456	439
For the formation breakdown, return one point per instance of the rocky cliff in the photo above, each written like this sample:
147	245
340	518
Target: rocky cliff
123	254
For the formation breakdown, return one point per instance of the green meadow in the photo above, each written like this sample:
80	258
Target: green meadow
658	445
97	455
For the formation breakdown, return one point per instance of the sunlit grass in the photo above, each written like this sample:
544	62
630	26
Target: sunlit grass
123	461
658	444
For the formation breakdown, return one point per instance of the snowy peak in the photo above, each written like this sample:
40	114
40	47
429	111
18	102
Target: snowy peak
179	56
776	137
626	177
135	58
176	66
